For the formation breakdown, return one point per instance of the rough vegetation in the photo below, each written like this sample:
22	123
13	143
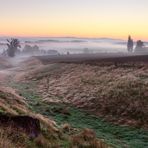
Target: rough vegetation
78	96
118	94
26	129
24	121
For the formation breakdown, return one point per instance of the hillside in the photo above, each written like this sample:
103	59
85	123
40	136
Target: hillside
116	93
104	96
21	125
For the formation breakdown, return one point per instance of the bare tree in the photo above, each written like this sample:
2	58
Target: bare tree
130	44
13	45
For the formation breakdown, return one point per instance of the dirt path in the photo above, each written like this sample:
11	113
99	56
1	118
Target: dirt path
8	74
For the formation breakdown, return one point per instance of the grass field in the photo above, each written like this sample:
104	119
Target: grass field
116	136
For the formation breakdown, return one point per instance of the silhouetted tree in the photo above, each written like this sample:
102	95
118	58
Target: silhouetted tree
13	45
31	49
139	44
35	48
27	49
130	44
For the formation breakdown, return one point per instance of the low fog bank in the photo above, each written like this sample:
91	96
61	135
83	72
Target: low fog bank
18	59
72	45
54	56
72	48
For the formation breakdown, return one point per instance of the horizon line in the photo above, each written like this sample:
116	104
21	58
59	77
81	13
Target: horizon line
21	36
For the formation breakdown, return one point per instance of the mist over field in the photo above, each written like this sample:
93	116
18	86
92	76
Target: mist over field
73	45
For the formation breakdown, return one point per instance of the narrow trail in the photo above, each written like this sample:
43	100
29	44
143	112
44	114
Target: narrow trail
7	74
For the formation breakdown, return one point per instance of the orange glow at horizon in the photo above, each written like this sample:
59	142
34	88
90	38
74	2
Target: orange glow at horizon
94	18
79	30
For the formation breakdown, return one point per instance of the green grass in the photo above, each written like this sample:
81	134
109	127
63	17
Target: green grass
116	136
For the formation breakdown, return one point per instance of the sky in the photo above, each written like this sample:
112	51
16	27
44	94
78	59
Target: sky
77	18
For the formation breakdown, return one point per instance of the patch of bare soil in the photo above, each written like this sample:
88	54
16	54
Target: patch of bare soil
116	93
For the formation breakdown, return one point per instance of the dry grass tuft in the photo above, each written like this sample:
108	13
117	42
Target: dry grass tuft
11	102
41	142
50	124
87	139
11	138
7	109
5	141
66	127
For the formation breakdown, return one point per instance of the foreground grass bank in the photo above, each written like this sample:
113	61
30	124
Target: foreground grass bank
116	136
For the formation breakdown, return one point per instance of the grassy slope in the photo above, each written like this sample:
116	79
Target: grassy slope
52	135
12	104
117	136
118	92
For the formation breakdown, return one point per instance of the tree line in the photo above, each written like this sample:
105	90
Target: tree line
130	44
13	46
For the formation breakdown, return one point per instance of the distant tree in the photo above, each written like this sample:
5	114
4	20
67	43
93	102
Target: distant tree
35	48
27	48
52	52
31	49
86	51
139	44
130	44
13	45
